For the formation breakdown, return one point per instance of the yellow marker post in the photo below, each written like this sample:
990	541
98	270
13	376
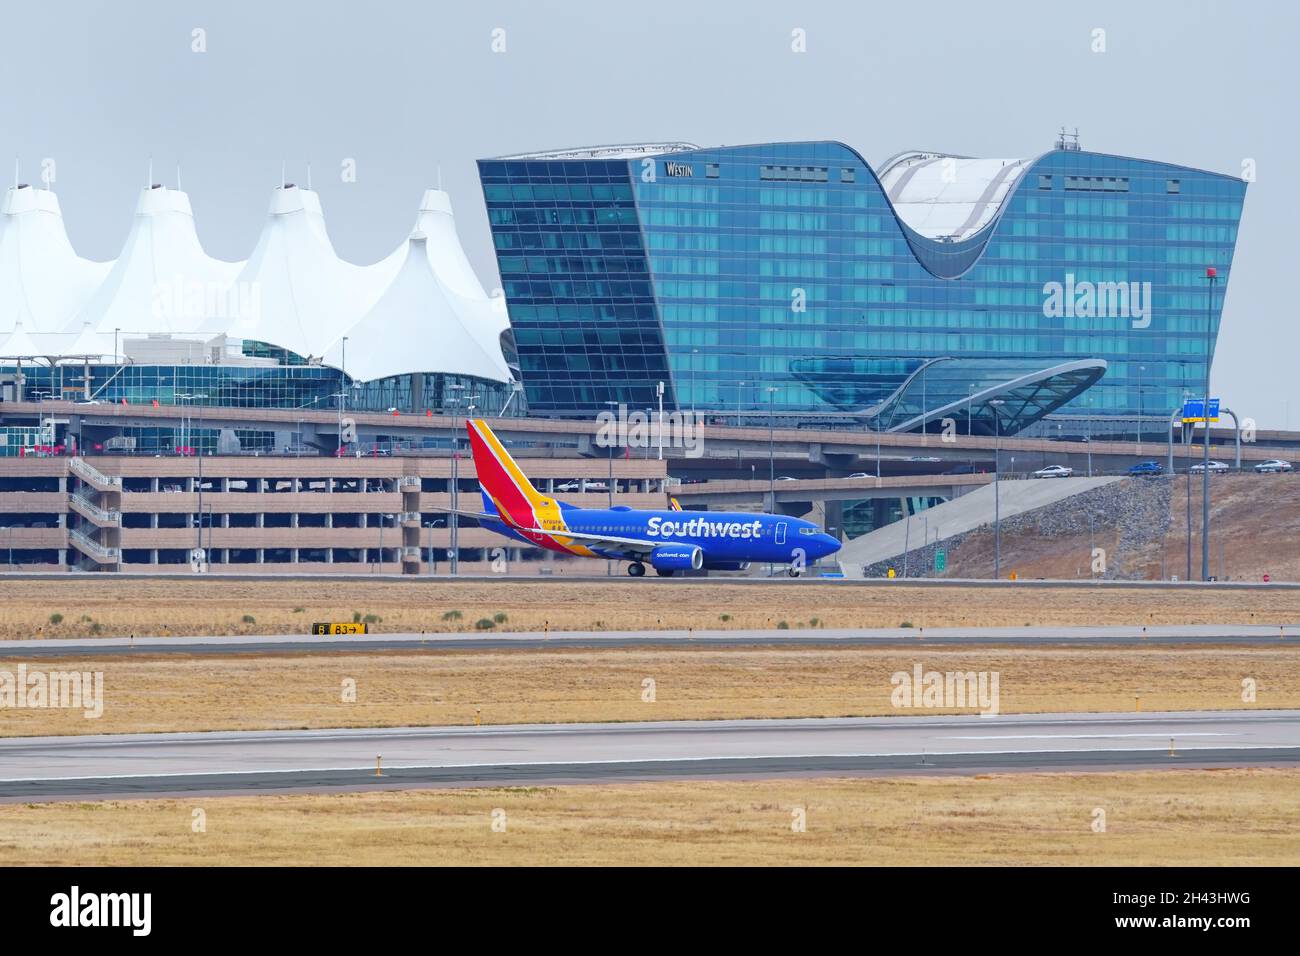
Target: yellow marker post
1172	752
1137	703
478	716
379	765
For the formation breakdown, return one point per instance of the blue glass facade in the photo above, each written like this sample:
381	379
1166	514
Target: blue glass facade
780	276
295	385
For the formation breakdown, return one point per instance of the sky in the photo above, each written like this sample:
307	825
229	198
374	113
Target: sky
409	94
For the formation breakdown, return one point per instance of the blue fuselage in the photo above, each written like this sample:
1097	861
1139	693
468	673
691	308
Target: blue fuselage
725	538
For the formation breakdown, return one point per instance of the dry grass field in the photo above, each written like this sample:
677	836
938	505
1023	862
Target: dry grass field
1172	817
232	692
121	606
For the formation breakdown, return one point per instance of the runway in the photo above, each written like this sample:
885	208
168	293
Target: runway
1271	635
276	761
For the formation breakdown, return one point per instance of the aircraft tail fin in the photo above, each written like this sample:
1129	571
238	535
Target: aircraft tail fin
506	489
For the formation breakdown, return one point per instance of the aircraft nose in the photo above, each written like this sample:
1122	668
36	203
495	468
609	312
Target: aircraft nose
829	545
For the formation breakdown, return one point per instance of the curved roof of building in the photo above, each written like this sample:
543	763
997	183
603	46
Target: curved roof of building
946	197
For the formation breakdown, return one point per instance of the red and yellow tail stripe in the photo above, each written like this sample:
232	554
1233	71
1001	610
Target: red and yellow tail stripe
519	503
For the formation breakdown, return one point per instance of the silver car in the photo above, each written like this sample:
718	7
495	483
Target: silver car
1273	465
1054	471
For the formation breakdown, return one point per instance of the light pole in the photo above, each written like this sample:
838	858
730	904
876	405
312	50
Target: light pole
996	404
431	525
1211	274
198	450
659	390
1141	369
1088	428
453	522
343	393
771	450
694	362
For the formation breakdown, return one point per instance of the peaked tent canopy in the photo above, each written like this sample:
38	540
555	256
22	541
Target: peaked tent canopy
418	326
303	296
43	282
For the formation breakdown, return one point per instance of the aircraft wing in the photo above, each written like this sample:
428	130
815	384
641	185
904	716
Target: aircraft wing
603	542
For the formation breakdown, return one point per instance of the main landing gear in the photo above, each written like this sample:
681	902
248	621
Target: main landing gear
793	571
636	569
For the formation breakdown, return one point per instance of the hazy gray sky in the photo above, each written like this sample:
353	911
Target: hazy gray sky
403	88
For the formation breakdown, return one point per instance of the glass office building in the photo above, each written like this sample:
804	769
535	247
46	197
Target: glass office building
792	277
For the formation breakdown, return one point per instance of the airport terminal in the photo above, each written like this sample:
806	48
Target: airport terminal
824	321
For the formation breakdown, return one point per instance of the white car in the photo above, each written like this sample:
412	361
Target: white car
1273	465
1054	471
861	474
1216	467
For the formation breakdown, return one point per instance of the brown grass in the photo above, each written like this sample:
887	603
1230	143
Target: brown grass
118	606
1178	817
231	692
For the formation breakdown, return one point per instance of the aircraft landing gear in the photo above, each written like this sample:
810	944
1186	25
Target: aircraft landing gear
664	572
793	572
636	569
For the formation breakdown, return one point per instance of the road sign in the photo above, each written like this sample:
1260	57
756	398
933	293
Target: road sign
940	561
1194	410
347	627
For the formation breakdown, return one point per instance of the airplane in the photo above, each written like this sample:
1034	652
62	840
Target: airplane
669	541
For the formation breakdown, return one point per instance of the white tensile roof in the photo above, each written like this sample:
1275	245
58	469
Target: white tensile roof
485	316
420	325
43	282
162	280
948	197
420	309
295	292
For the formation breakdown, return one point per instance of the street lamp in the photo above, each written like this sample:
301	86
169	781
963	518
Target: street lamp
343	392
659	390
996	404
433	569
1211	275
1141	369
771	448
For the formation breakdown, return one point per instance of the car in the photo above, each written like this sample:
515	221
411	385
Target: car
923	458
1273	465
861	474
785	478
87	401
1146	468
569	486
1216	467
1053	471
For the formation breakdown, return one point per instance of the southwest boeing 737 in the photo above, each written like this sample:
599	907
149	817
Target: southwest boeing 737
669	541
